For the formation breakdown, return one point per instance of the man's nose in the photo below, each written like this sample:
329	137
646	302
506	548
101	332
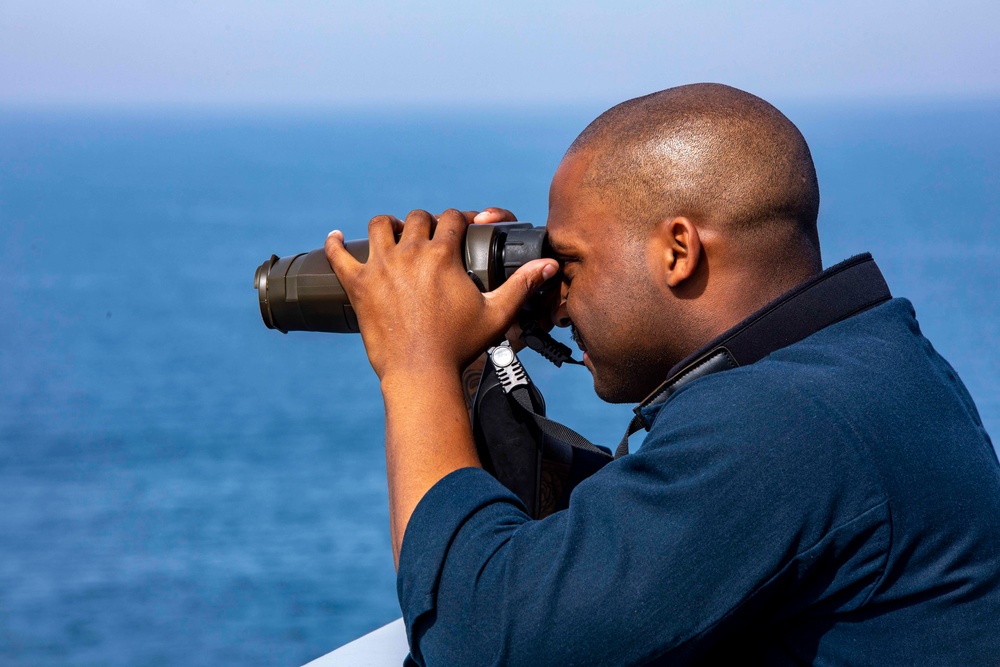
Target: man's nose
560	316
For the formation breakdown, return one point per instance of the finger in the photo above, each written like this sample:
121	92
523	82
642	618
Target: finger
468	215
417	227
451	226
506	300
513	337
342	262
494	214
383	230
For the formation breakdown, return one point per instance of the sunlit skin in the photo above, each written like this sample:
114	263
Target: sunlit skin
616	286
423	321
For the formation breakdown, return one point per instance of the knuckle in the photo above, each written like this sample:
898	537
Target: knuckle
378	221
439	251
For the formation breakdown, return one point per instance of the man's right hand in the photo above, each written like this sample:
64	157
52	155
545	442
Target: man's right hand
474	371
493	215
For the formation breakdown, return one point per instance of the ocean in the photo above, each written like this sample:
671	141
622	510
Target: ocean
181	486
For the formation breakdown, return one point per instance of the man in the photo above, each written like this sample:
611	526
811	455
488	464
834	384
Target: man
836	502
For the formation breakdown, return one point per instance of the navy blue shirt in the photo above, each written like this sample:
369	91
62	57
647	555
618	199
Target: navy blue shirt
836	503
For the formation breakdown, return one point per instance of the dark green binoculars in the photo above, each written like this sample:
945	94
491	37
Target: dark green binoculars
302	293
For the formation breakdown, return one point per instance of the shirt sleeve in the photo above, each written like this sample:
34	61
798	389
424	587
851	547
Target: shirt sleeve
707	524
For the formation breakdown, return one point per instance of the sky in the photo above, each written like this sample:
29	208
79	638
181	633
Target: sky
226	53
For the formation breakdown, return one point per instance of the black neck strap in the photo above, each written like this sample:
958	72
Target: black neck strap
839	292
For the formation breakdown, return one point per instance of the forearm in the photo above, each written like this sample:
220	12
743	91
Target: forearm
414	300
428	436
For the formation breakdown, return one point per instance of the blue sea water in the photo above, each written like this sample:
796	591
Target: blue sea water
180	485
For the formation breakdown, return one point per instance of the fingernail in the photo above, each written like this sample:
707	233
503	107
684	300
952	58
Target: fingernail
549	270
334	232
480	216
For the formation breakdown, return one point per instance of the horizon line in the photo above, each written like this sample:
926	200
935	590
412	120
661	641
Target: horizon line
382	107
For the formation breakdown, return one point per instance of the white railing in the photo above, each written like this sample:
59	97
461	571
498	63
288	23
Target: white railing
385	647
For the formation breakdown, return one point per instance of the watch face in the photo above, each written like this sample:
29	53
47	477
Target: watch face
502	356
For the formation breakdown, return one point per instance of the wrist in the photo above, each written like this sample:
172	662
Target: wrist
413	378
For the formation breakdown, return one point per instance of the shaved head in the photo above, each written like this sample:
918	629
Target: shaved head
724	158
674	217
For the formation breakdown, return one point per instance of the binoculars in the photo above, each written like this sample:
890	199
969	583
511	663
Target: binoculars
302	293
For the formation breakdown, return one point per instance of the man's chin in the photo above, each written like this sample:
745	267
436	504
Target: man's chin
615	392
620	387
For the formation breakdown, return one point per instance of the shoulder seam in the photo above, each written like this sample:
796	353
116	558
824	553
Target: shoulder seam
888	505
764	584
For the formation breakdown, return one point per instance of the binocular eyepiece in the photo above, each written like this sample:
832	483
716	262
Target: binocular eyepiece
302	293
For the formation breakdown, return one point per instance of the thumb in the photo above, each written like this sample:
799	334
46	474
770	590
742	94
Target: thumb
508	298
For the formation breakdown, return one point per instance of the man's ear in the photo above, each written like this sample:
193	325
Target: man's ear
679	247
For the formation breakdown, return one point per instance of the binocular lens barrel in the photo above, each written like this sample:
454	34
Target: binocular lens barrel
302	293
